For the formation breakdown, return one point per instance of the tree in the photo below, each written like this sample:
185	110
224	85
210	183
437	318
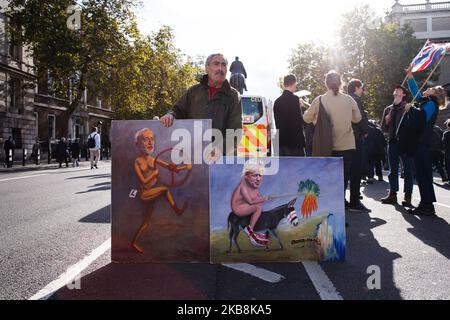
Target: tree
309	63
376	54
137	76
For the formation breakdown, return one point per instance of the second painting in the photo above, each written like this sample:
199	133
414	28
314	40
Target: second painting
293	214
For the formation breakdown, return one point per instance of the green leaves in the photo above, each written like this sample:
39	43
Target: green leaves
375	53
137	76
309	187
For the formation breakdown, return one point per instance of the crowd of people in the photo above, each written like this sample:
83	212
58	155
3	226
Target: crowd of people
406	139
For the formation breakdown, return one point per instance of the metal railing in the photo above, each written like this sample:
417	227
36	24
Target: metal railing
425	7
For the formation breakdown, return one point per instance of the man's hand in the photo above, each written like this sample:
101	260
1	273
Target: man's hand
167	120
173	167
409	72
407	107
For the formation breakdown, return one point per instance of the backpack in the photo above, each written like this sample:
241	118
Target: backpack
410	131
322	145
91	142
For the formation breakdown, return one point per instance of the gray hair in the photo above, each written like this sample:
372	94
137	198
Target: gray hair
212	56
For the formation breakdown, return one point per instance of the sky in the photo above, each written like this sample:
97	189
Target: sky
262	33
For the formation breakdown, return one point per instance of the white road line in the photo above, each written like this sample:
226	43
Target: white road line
260	273
60	170
321	282
25	177
72	272
436	203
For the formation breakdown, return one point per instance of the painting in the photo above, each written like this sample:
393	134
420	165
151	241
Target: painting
295	213
160	192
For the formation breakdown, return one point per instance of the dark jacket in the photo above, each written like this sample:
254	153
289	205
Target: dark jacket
224	109
62	150
446	143
436	142
361	128
289	120
238	67
74	149
376	143
396	115
9	145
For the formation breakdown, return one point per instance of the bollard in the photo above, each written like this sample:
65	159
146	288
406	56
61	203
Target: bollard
38	157
24	157
49	153
10	158
87	154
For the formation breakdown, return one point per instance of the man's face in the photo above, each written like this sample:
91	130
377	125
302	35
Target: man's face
254	179
148	142
359	91
398	93
217	70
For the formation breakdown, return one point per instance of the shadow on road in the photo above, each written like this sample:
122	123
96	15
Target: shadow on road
145	281
432	231
92	176
97	187
363	251
100	216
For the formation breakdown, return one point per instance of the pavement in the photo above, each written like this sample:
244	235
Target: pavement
55	230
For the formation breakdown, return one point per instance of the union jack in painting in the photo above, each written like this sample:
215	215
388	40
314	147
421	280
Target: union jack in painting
429	55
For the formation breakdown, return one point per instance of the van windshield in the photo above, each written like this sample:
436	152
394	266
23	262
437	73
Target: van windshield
252	109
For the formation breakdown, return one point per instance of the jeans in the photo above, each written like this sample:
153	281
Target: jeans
424	174
394	155
287	151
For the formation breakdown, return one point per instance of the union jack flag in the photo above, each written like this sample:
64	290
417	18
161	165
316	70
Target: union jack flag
429	55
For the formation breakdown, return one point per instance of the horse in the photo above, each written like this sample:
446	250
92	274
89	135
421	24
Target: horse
237	81
267	222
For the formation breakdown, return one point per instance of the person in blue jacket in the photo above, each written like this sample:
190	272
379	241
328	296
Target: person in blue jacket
429	103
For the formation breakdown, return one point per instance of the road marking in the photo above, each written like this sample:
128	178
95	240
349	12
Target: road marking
60	170
321	282
72	272
436	203
260	273
25	177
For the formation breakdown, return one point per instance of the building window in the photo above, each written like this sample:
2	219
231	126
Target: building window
36	123
15	94
15	48
3	88
51	126
441	24
418	25
17	137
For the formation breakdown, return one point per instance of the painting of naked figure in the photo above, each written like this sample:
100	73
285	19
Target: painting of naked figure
294	213
160	198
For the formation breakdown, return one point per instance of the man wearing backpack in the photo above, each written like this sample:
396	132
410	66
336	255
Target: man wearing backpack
93	143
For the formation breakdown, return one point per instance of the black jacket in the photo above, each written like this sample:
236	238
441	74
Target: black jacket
238	67
446	143
361	128
376	143
289	120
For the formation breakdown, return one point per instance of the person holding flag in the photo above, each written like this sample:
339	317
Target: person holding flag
429	103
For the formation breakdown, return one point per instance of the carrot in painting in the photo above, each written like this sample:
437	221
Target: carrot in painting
311	191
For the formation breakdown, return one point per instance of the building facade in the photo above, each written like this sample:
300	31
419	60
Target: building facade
429	20
29	108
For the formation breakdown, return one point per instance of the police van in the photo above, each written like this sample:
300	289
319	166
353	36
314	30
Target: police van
258	126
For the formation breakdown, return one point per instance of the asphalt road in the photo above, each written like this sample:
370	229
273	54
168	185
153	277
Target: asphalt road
51	220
